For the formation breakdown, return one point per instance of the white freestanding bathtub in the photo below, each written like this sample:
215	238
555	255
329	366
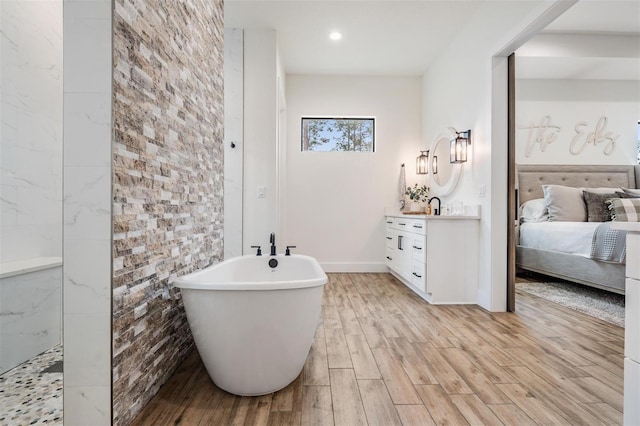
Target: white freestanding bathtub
253	324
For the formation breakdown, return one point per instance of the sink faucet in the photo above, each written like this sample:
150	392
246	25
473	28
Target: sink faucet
436	211
272	240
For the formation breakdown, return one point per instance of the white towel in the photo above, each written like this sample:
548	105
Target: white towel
402	187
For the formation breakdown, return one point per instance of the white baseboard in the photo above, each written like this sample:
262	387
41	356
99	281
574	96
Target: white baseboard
354	267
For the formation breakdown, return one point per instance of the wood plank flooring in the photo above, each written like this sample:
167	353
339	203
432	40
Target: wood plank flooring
383	356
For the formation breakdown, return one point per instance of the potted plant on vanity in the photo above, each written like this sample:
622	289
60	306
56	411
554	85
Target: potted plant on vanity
418	195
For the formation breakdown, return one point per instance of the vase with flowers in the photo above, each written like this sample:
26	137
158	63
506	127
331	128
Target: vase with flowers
418	195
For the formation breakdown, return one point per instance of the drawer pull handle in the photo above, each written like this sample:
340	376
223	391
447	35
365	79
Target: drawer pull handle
389	222
389	258
417	248
402	224
419	276
389	238
417	226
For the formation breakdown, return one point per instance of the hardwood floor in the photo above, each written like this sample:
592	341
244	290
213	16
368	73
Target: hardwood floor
383	356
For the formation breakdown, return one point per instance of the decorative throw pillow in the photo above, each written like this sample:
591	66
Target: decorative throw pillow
597	209
534	211
565	203
624	210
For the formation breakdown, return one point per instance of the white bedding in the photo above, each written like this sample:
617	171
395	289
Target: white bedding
566	237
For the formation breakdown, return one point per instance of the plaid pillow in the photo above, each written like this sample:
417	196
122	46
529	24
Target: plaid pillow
624	210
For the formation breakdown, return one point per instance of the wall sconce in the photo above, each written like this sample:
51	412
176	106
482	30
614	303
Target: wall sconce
434	164
459	146
422	162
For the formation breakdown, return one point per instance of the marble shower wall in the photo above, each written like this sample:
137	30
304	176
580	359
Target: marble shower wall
87	212
31	110
167	182
30	315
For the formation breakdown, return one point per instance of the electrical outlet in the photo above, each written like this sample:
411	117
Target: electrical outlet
482	190
261	191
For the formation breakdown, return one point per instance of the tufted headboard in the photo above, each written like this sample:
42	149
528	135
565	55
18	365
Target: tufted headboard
530	178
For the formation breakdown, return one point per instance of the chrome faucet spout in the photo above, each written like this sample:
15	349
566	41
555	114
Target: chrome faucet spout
436	210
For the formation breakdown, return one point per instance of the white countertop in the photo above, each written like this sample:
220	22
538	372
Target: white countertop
471	212
431	217
626	226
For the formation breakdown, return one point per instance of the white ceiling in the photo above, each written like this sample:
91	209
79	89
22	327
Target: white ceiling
379	37
396	37
599	16
593	40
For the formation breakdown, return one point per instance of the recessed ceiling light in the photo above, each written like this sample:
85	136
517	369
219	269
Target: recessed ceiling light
335	36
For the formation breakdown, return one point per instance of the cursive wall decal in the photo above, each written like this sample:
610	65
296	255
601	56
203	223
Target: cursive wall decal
541	134
598	136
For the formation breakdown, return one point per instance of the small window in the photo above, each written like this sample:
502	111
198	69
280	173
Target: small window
338	134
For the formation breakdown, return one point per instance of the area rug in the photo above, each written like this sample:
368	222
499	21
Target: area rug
606	306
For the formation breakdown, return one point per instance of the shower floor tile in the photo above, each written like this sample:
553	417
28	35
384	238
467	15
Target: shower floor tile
31	393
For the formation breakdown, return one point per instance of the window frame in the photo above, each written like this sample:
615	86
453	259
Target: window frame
328	117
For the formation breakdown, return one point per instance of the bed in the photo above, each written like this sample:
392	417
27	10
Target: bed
564	249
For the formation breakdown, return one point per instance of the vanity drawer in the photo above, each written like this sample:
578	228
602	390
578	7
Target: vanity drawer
418	227
389	234
419	275
389	257
419	247
401	224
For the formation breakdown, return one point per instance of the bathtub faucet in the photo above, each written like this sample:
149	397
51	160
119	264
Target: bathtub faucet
272	240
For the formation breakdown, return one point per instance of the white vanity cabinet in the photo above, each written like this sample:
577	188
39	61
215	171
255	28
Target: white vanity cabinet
435	256
631	415
405	253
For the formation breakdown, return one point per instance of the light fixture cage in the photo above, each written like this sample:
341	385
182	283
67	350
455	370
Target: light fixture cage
459	147
422	163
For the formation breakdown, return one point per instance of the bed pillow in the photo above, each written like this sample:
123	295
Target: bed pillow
633	192
597	209
624	209
564	203
534	211
620	194
602	190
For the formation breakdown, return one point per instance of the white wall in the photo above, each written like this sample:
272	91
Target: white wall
466	88
561	105
233	134
260	137
335	200
31	150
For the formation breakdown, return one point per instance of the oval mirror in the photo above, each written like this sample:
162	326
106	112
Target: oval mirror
444	175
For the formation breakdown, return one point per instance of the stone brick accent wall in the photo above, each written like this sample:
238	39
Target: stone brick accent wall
167	182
